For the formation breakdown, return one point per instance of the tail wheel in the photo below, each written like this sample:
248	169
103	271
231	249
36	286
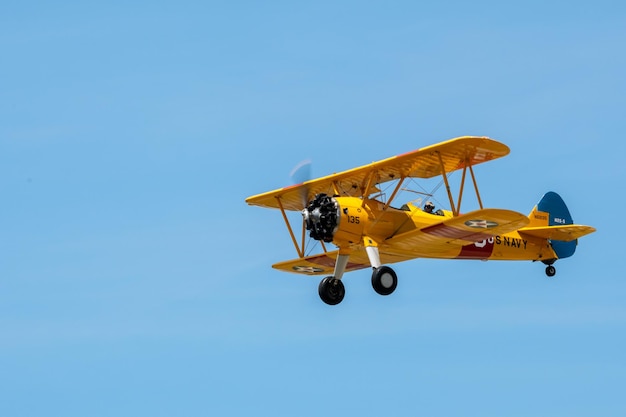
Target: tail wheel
384	280
550	271
331	290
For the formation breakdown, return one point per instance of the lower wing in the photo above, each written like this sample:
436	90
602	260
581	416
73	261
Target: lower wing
324	263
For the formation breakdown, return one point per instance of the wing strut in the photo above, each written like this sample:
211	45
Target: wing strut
365	192
293	237
395	191
458	201
480	202
445	179
456	209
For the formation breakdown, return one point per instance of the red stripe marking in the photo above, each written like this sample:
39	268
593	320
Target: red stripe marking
475	252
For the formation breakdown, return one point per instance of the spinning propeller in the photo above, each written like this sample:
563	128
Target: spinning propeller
300	174
321	214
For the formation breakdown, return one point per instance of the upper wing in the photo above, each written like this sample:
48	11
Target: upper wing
472	227
422	163
564	233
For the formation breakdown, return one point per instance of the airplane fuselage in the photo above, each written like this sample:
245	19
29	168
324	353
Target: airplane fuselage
373	219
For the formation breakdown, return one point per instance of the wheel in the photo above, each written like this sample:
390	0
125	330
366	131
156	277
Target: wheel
331	290
550	271
384	280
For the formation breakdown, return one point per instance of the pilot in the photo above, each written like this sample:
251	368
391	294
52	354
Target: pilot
429	207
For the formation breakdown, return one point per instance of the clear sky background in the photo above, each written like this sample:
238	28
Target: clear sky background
135	281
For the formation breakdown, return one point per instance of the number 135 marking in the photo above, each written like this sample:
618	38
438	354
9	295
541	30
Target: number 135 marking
353	219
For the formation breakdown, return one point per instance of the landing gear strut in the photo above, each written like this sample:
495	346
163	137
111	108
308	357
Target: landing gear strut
331	290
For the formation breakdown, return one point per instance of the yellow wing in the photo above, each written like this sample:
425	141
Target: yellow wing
472	227
422	163
324	263
564	233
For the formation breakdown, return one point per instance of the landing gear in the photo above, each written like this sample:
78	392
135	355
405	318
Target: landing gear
384	280
550	269
331	290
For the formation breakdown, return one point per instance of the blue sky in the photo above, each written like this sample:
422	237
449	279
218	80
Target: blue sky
134	280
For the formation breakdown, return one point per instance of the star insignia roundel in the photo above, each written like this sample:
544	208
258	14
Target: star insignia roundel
480	224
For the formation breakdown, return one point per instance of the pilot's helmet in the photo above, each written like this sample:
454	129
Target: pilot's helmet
429	206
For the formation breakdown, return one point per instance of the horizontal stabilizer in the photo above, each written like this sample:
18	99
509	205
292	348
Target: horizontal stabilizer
565	233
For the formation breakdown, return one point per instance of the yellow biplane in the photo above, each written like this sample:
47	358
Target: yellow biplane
349	210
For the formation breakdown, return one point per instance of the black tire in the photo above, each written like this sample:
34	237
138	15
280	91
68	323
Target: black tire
384	280
331	290
550	271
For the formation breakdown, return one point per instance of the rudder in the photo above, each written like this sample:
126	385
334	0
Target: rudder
558	215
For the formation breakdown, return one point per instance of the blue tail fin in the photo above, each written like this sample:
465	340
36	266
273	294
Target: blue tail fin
558	215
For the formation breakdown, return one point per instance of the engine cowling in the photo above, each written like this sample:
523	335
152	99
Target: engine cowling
335	219
322	217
